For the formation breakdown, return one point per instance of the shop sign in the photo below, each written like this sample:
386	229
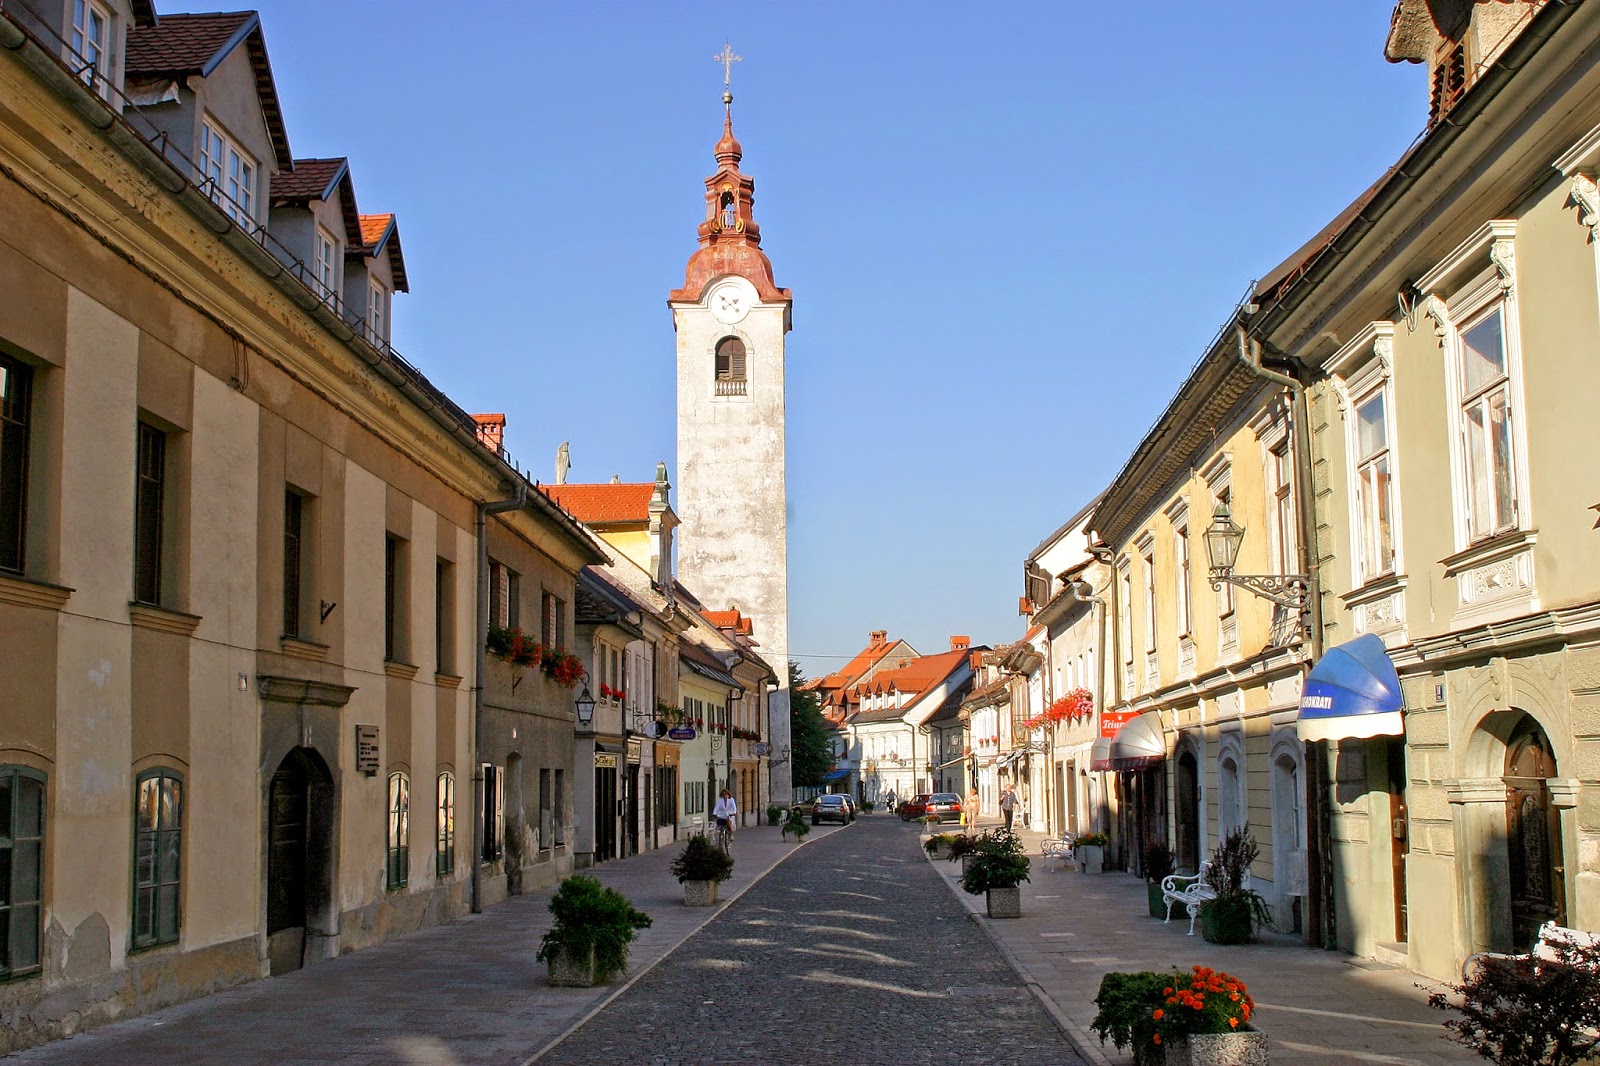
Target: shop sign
681	732
762	748
1111	721
367	750
604	761
635	749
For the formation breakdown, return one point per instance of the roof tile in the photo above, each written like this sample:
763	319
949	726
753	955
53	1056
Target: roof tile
605	503
181	43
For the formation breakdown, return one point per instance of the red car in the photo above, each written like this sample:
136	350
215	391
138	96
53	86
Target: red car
915	807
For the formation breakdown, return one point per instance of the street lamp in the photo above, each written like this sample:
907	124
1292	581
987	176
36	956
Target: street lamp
781	760
585	705
1222	551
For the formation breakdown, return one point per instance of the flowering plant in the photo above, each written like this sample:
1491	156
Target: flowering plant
1207	1001
607	692
669	714
512	646
563	668
1079	703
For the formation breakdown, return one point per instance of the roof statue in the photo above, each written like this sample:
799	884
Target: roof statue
563	463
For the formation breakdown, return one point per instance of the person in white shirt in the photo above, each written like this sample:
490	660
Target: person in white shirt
726	812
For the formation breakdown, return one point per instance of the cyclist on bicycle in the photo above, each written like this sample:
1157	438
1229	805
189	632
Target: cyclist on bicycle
725	812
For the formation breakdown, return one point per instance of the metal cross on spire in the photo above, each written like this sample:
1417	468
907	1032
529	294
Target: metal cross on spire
727	59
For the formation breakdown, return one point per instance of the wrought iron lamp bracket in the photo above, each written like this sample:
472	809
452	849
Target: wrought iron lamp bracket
1286	590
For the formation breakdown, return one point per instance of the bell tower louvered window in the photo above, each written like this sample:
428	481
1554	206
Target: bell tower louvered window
1449	79
730	367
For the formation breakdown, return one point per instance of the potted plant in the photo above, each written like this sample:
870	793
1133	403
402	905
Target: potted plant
938	845
773	811
1232	916
1158	865
796	825
700	867
588	944
1205	1021
1542	1007
997	867
963	846
1128	1004
1090	851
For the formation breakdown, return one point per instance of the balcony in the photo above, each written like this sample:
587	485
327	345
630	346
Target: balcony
731	387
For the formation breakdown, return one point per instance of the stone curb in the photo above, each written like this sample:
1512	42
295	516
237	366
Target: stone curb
1083	1040
633	978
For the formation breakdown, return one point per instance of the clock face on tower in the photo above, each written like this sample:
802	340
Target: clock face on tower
731	300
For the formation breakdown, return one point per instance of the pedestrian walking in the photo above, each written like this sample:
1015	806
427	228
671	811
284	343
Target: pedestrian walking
1008	806
972	808
888	801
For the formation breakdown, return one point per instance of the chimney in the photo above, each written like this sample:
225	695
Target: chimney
491	431
975	660
878	637
959	643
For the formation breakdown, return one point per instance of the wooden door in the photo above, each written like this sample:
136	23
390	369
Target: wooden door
1533	836
1188	814
605	813
632	819
1399	835
287	833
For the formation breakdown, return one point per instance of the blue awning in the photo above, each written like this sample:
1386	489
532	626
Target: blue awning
834	775
1353	692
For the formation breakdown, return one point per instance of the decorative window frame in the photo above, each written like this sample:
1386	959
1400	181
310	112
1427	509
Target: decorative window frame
1580	165
1361	369
742	392
1145	546
1177	514
1218	476
1230	747
444	827
1494	572
1125	654
397	837
1271	427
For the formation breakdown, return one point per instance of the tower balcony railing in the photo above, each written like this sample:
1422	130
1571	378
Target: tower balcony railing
730	387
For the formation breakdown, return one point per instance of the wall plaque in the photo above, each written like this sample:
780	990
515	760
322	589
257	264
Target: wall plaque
604	761
367	750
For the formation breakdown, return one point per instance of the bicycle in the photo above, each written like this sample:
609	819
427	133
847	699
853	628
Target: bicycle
725	837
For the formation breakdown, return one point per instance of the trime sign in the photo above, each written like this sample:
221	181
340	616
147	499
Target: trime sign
1111	721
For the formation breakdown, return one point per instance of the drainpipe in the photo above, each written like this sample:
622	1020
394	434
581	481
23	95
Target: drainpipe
1319	931
514	502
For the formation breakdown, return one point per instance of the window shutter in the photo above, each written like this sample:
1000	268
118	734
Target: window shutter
736	361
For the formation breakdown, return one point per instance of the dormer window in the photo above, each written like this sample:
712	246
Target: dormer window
730	367
377	313
91	39
325	265
227	174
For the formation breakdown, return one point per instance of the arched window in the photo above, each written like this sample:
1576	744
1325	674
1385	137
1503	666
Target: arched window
399	852
22	818
730	367
1229	814
157	857
445	859
730	213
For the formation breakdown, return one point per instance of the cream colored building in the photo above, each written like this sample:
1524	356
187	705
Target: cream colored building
243	548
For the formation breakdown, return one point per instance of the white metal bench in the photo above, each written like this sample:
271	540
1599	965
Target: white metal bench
1191	891
1546	949
1057	850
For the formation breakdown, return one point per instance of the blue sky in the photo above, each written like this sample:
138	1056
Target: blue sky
1010	229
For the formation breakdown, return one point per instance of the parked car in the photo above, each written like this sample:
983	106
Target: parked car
915	807
833	808
943	806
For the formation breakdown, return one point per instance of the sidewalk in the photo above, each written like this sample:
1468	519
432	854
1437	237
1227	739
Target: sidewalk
466	992
1317	1007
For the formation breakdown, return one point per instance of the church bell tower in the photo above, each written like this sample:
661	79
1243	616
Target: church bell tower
731	320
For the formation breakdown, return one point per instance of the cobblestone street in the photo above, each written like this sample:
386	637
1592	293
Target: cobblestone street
854	952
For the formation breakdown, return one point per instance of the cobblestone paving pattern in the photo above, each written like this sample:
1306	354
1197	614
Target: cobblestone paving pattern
851	952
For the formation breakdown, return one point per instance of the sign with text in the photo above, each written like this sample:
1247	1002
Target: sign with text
367	750
1111	721
681	732
761	748
603	761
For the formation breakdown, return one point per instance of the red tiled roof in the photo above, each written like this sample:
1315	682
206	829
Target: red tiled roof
311	179
383	230
605	503
920	673
732	620
183	43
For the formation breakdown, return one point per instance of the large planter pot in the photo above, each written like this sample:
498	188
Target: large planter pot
1245	1047
1226	921
1158	901
1005	902
699	893
966	861
941	852
1091	857
572	970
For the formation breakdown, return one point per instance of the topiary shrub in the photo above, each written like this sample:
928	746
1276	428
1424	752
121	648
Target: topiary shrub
701	860
590	916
